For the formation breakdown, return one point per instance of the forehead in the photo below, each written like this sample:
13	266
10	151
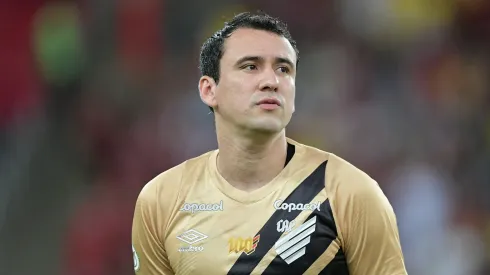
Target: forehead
250	42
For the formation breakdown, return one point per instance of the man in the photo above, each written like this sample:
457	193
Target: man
262	203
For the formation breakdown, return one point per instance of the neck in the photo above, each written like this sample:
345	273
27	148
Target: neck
249	163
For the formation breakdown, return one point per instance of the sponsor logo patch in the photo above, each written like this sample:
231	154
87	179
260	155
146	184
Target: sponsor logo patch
202	207
246	245
280	205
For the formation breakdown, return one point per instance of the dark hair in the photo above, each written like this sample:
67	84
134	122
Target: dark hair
212	49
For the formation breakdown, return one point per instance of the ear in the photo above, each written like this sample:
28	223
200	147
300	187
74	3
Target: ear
207	91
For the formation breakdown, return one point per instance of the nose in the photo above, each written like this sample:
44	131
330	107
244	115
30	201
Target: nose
269	81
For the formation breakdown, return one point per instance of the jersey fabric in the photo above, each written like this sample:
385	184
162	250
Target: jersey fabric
320	215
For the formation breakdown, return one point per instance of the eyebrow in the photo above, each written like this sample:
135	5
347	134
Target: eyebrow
259	58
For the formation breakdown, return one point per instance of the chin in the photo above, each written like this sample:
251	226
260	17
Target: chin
267	125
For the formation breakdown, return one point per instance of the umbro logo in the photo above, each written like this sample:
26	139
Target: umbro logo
293	245
191	237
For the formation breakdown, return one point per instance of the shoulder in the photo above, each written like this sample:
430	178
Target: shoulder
349	185
342	171
166	187
341	175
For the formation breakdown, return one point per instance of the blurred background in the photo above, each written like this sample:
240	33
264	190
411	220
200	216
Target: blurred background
98	97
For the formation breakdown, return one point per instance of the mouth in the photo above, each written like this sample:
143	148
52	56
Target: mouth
269	101
269	104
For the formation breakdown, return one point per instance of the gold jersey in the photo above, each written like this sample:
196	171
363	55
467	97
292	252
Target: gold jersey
320	215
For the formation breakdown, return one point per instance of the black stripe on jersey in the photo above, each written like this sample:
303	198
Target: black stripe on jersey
290	153
304	193
325	232
338	266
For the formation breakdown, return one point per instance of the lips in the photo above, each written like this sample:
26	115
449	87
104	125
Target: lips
269	101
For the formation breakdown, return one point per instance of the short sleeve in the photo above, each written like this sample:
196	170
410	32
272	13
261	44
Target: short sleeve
369	230
149	254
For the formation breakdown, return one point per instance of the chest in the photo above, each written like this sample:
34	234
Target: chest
267	237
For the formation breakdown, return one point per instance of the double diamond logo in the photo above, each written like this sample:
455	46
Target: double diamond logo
191	236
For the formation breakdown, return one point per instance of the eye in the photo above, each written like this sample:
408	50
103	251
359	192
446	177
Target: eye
250	67
284	69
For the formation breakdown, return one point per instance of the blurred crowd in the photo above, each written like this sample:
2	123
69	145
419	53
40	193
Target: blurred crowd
98	97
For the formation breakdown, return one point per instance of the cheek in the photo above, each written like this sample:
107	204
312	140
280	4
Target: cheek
290	94
293	93
240	91
231	95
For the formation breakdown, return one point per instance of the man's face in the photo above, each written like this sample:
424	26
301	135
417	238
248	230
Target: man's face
256	88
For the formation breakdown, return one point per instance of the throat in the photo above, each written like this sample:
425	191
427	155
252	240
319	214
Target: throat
253	172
